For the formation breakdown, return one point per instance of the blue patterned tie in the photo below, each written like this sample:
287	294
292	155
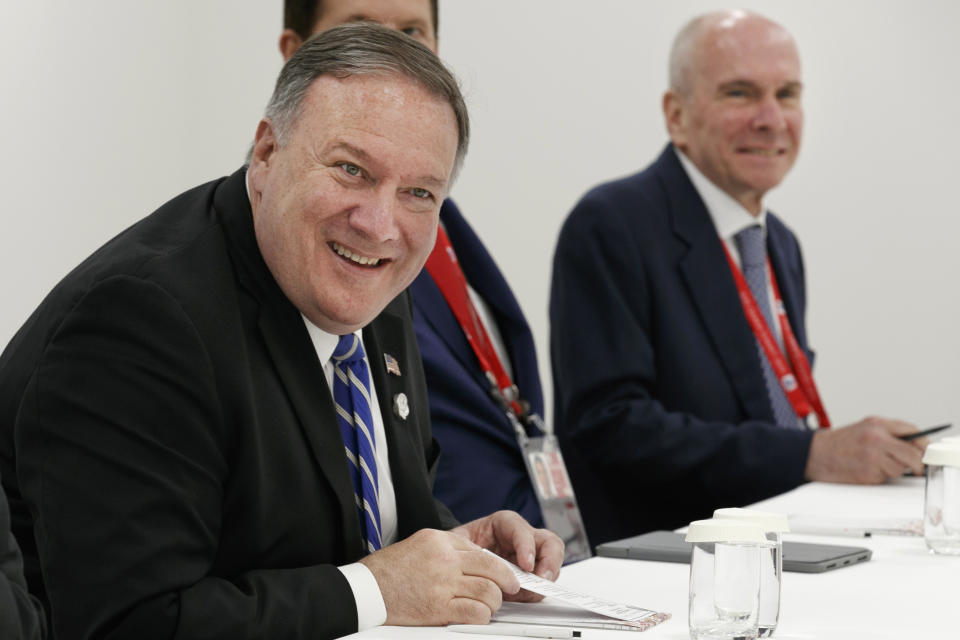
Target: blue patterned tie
753	256
351	396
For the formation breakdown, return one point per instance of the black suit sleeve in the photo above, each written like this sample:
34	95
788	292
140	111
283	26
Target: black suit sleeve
21	616
609	314
125	454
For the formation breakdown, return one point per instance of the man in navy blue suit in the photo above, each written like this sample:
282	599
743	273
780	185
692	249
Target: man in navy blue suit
481	467
670	400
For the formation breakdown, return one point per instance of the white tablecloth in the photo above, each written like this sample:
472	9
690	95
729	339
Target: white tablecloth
903	592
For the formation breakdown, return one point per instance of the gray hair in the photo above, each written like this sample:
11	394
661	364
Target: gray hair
364	48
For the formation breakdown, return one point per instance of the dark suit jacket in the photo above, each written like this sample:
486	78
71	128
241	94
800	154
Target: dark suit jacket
481	468
21	616
661	406
176	442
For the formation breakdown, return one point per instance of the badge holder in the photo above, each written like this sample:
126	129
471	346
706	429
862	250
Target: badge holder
548	475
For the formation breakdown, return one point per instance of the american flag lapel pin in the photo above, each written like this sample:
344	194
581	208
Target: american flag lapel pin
393	366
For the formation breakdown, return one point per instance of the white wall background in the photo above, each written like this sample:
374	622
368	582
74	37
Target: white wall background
110	107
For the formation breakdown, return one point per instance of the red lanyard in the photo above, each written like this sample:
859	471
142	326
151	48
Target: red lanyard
797	383
445	271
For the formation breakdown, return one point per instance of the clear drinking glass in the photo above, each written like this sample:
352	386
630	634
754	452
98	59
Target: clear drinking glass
941	513
771	576
771	562
725	580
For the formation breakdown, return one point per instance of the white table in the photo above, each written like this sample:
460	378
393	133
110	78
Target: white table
903	592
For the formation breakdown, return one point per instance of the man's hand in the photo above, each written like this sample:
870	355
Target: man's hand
867	452
438	577
508	535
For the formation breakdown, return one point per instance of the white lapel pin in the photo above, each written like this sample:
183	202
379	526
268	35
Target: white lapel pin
400	406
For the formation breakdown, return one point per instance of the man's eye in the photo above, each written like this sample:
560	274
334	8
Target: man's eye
351	169
413	32
423	194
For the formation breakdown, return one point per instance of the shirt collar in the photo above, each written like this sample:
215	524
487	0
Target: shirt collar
729	216
323	343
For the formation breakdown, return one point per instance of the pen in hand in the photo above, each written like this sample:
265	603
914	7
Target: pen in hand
924	432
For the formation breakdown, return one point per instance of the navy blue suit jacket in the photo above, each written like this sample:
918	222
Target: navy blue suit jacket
661	406
481	468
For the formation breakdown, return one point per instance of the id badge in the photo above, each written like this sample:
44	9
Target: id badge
550	481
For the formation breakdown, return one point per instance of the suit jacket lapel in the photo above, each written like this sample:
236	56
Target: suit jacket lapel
408	466
293	355
704	269
484	276
477	264
428	299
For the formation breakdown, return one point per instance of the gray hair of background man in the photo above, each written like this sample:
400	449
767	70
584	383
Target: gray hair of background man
364	48
682	53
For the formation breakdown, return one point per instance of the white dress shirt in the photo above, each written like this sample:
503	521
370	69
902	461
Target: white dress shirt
729	218
371	610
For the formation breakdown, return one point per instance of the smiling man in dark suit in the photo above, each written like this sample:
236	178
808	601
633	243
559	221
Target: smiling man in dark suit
667	404
481	469
220	419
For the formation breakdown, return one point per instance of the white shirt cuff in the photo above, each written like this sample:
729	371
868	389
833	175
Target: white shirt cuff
371	610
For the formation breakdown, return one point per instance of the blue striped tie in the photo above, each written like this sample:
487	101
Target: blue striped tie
753	256
351	397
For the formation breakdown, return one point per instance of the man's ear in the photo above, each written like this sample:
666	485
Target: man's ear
264	149
674	115
290	41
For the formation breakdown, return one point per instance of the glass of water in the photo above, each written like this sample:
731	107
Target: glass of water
725	579
941	513
771	562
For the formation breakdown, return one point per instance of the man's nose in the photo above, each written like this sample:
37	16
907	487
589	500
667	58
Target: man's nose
769	115
376	217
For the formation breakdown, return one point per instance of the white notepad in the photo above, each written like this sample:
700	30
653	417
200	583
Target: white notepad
588	611
558	615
